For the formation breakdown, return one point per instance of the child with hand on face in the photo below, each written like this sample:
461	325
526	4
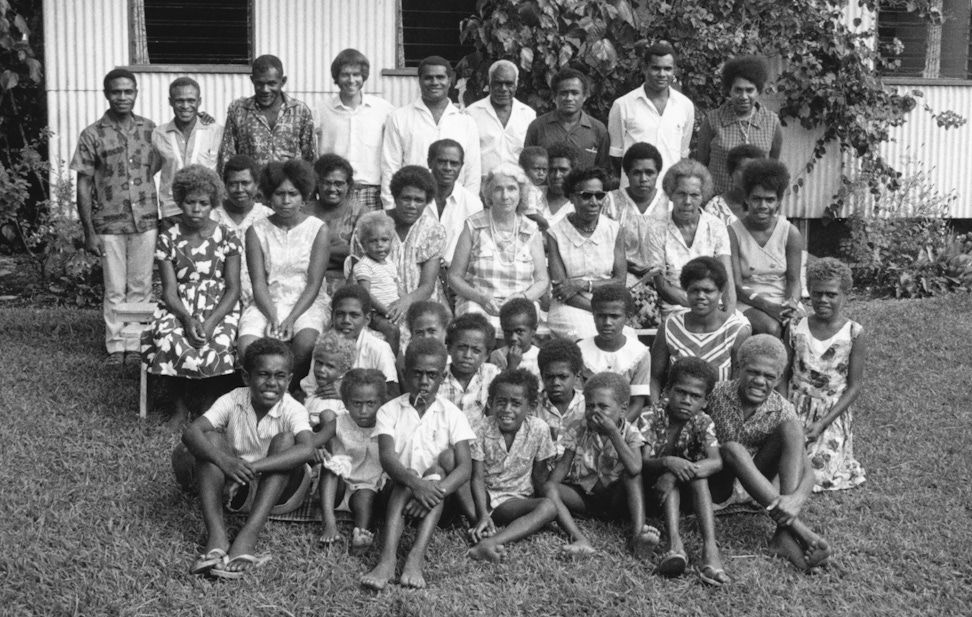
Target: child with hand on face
600	473
518	319
561	404
377	273
332	358
681	452
351	469
466	383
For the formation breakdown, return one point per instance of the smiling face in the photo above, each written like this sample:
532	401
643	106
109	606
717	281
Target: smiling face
509	405
468	351
603	400
286	200
504	193
757	380
686	398
185	101
642	178
518	331
588	197
827	298
423	377
410	204
328	368
333	187
703	296
762	206
570	96
687	199
743	95
241	188
350	80
268	381
609	319
434	83
559	382
659	73
121	94
268	87
362	403
348	317
502	87
445	165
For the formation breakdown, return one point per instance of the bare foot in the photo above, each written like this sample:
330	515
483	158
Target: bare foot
578	548
645	541
329	535
361	540
785	545
378	578
818	553
487	551
412	575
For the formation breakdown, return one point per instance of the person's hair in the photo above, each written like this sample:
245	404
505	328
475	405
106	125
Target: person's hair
267	347
568	73
426	346
563	150
518	377
181	82
613	293
441	144
519	306
119	74
660	50
529	153
241	162
350	57
750	68
641	151
830	269
193	178
266	63
427	307
414	176
695	368
740	153
329	162
471	322
435	61
372	222
688	168
352	291
298	171
336	346
702	268
767	174
614	382
561	350
508	170
583	174
357	377
504	64
762	346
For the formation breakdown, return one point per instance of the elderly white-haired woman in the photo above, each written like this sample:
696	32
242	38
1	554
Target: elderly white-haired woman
499	254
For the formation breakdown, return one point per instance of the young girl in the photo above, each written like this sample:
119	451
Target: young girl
827	373
333	357
704	331
196	319
377	273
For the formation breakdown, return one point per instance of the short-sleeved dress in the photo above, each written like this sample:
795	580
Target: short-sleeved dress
713	347
355	455
199	277
820	370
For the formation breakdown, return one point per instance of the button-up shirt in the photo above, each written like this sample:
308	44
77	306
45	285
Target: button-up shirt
355	133
249	437
471	399
419	440
589	136
460	205
202	148
634	118
498	143
248	132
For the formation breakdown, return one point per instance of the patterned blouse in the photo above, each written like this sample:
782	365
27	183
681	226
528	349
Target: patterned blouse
713	347
691	442
724	130
725	409
248	132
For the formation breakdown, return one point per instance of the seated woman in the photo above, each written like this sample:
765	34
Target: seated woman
336	206
687	233
586	253
287	253
728	206
499	255
767	251
194	329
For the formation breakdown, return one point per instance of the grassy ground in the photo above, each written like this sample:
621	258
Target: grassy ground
93	524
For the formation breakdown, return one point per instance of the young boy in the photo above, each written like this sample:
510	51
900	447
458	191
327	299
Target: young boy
518	319
510	460
419	433
533	160
377	274
467	379
257	438
610	350
333	357
561	405
350	316
350	464
601	466
681	451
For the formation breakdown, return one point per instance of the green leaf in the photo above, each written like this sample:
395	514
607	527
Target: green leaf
526	59
8	80
21	24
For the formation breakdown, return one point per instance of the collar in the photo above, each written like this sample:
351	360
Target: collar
585	120
449	110
574	236
434	407
487	104
250	102
107	122
728	117
336	103
171	127
275	412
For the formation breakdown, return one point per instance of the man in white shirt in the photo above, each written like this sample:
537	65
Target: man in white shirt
410	130
654	113
502	120
352	124
453	204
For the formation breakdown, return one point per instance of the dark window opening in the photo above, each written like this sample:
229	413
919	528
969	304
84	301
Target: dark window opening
198	32
431	28
896	22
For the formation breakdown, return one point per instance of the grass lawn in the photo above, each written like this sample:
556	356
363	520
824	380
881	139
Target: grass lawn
93	523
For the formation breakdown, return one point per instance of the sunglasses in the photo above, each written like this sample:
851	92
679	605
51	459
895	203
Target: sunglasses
595	195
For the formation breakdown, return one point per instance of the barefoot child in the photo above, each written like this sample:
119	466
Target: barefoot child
467	379
377	274
600	471
255	437
518	319
350	464
561	405
510	459
417	432
827	371
681	451
333	356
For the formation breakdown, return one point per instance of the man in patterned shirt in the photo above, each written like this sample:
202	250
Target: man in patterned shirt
268	126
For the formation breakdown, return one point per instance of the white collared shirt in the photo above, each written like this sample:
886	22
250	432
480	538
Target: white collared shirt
460	205
202	148
354	133
249	438
498	143
420	439
634	118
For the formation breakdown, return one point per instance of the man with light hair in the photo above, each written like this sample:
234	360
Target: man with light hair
502	120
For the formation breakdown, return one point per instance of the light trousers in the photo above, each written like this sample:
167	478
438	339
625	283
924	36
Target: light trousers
127	267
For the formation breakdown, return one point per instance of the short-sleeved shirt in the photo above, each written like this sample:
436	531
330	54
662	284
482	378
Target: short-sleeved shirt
460	206
561	425
632	361
597	464
382	279
234	413
122	165
498	143
508	473
370	351
691	442
419	440
471	399
248	132
201	148
355	133
725	409
589	136
634	118
316	406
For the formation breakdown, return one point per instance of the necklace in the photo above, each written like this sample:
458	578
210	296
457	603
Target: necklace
511	243
749	125
587	230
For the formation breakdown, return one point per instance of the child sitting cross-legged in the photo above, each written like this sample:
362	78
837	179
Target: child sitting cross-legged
332	358
256	440
510	458
467	378
561	405
378	274
350	465
681	452
599	475
419	435
518	319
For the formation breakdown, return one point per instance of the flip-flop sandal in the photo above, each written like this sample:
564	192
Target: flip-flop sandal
205	563
255	562
673	564
710	575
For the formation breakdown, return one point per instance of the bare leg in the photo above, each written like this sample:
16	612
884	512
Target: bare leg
384	571
644	538
670	507
412	568
762	323
178	387
702	503
210	482
522	517
566	501
302	346
463	494
362	504
327	491
241	344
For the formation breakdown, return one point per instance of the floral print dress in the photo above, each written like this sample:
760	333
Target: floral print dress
199	276
819	379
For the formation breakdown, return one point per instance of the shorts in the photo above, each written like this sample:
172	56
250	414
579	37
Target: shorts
254	323
239	497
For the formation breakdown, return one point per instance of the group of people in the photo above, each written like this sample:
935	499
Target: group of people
357	266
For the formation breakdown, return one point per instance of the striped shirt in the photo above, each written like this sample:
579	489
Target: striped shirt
250	439
713	347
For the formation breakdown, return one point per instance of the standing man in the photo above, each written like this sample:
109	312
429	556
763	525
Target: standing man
352	124
655	113
410	130
118	205
268	126
184	140
569	122
453	203
501	119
